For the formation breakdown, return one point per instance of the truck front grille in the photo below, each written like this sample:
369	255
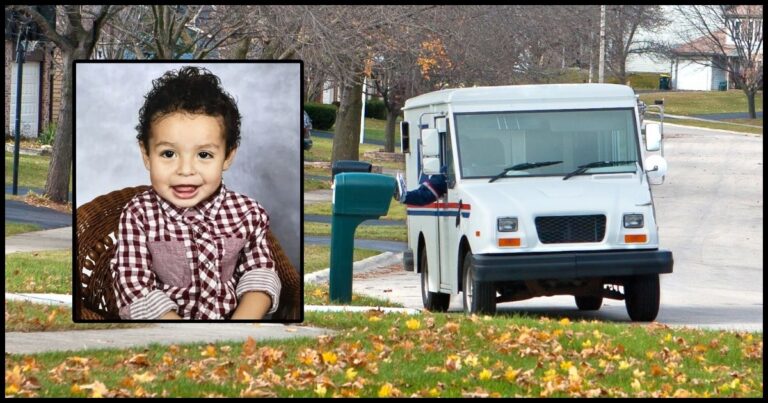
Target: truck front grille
570	229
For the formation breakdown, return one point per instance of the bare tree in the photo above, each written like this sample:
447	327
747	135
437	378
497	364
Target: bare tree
337	41
622	25
173	32
730	38
76	34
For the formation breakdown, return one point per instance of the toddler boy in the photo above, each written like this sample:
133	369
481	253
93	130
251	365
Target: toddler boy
189	248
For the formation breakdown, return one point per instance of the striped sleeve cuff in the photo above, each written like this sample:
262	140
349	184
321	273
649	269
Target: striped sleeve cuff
264	280
151	306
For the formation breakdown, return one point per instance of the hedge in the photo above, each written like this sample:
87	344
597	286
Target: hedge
375	109
323	115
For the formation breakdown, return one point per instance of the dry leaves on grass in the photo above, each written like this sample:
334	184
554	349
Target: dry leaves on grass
469	357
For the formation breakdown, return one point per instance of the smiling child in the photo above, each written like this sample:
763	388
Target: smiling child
189	248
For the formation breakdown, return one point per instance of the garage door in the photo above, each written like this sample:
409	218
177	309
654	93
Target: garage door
30	99
692	76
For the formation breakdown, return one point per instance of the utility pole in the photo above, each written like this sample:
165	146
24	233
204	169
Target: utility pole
20	51
591	57
601	65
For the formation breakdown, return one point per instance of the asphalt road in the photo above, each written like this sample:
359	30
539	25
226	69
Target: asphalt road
16	211
710	215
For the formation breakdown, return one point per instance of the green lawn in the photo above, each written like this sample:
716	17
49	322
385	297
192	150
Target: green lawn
13	228
689	103
382	232
24	316
322	147
33	170
39	272
318	257
429	355
703	102
374	130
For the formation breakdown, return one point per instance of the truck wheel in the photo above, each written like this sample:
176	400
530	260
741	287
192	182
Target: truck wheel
479	297
642	297
433	301
589	302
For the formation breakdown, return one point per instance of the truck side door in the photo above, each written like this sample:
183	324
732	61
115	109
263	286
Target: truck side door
447	212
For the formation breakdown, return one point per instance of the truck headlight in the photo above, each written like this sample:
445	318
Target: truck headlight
507	224
633	221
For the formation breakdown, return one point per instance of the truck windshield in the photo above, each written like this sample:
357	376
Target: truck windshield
489	143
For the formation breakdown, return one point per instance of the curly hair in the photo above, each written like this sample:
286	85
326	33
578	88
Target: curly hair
193	90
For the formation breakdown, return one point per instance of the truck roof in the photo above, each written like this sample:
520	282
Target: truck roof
539	93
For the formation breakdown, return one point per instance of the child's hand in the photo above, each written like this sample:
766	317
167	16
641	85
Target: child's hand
253	305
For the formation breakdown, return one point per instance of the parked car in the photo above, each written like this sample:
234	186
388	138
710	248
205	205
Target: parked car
306	136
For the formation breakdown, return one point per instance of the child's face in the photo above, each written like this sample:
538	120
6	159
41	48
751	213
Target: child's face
186	157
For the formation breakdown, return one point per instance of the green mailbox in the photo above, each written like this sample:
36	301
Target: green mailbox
356	197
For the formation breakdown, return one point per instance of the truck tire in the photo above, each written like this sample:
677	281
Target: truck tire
433	301
589	302
642	297
479	297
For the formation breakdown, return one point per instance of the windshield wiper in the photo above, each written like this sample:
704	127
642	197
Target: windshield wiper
523	166
597	164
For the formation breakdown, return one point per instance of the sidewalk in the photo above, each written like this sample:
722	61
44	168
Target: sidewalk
52	239
163	333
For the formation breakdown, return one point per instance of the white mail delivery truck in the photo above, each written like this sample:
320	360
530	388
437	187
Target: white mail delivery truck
548	194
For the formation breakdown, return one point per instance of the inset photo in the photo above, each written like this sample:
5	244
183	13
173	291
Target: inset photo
187	181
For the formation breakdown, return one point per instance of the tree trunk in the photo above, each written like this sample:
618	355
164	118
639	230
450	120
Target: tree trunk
389	131
346	139
751	103
57	182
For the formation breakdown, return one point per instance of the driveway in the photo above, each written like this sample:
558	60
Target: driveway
16	211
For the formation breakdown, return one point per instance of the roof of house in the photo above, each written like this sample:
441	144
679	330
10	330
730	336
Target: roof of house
706	46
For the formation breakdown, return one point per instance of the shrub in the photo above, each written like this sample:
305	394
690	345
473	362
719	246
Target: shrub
46	136
323	115
639	81
375	109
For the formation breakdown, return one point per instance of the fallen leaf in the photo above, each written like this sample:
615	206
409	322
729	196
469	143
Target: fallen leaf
413	324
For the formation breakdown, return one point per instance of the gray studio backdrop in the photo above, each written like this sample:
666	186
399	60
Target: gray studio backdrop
108	97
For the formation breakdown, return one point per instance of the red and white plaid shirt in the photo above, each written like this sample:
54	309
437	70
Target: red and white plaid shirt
196	261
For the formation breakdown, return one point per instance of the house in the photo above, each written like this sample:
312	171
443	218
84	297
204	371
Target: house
699	64
41	85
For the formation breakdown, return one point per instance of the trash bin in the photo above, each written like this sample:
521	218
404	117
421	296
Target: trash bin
664	82
723	86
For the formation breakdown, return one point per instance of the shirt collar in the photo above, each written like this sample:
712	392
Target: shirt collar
207	208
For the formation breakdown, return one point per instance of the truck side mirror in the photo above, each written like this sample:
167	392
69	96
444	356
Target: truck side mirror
656	168
652	137
431	165
430	143
430	151
405	138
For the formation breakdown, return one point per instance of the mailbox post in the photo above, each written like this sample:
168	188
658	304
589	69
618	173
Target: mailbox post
356	197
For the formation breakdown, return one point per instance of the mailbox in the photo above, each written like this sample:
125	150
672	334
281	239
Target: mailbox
356	197
342	166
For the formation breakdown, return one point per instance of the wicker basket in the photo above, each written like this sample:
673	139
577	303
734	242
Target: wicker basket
97	223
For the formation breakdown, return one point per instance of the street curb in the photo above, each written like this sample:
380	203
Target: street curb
47	299
706	128
349	308
362	266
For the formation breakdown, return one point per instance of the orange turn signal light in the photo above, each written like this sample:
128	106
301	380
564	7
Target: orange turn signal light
641	238
509	241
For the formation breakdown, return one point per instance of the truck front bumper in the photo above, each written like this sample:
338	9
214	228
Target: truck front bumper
512	267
